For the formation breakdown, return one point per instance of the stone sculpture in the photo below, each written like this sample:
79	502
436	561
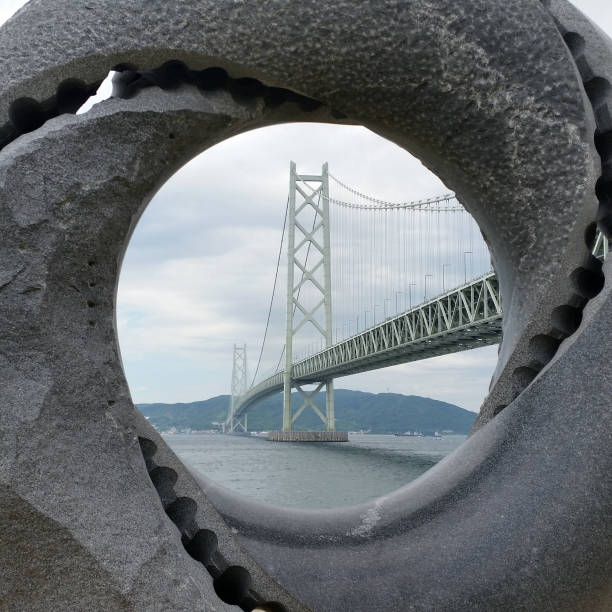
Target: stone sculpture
509	103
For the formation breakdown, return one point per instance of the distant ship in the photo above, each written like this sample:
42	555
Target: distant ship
410	434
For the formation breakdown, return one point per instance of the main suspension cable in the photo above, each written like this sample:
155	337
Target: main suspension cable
383	204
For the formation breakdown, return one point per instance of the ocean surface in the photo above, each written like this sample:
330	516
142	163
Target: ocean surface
312	475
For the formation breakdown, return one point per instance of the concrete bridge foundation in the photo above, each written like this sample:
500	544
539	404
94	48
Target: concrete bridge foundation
308	436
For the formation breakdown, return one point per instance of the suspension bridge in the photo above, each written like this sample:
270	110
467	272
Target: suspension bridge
407	280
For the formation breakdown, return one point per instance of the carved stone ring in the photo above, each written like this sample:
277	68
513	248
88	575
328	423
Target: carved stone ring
508	102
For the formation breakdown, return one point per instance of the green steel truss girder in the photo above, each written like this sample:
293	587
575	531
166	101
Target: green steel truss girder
464	318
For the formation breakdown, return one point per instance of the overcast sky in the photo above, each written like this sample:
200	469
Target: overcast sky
198	274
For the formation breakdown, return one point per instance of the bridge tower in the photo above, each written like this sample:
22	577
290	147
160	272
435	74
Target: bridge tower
308	194
239	388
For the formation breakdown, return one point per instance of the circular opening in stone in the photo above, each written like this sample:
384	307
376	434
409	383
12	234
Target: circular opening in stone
198	277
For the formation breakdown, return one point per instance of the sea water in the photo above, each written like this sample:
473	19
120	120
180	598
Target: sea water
312	475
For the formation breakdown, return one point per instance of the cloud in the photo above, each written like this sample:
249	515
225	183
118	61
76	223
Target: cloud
9	7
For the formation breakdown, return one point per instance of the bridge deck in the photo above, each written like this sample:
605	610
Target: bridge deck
464	318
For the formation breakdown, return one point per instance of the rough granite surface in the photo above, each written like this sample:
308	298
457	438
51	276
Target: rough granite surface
499	100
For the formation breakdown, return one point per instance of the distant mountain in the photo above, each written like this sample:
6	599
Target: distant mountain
355	410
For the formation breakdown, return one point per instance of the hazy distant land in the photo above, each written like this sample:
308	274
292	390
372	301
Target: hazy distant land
355	410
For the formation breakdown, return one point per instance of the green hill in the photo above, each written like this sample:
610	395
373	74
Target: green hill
380	412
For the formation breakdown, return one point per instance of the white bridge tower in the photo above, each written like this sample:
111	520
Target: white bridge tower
239	388
308	233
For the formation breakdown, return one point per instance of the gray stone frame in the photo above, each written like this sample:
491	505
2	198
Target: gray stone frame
502	101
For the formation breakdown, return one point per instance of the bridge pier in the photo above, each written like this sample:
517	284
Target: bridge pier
308	436
237	424
308	397
329	406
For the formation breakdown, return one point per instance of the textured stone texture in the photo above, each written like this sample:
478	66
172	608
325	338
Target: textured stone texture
69	430
493	100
